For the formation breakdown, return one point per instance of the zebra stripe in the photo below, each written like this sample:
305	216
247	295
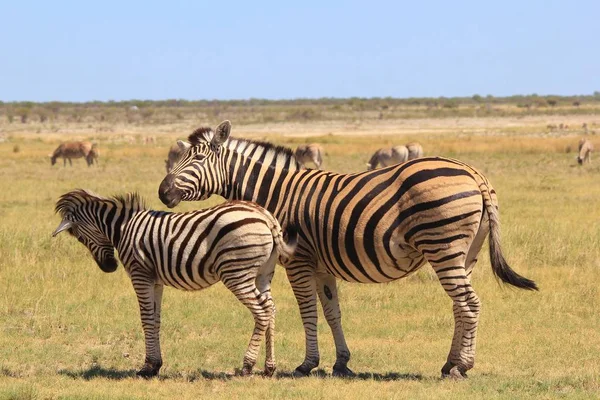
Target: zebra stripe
236	243
369	227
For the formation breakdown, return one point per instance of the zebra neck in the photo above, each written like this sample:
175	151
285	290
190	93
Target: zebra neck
257	180
113	224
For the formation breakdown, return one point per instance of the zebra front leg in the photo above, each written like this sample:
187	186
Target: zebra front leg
145	292
302	280
328	294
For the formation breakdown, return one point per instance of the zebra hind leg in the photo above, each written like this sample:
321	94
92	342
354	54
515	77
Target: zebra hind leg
262	309
455	281
263	284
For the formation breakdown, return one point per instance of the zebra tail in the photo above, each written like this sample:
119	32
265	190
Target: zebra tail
499	265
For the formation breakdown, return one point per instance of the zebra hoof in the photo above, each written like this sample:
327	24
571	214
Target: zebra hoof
147	372
342	372
301	372
452	371
246	370
269	370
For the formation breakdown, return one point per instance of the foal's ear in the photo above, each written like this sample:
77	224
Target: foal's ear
221	133
64	225
183	146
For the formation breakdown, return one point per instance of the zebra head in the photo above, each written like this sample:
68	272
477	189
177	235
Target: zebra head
199	172
79	218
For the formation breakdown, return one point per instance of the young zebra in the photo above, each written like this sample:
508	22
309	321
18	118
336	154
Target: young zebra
236	243
370	227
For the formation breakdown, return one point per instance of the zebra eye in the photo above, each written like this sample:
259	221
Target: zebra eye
199	157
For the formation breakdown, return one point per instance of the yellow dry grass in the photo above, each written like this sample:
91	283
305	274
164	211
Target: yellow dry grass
69	331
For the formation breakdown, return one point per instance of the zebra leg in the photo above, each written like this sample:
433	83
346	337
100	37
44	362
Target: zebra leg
70	163
328	295
302	280
145	292
261	307
158	292
263	284
455	281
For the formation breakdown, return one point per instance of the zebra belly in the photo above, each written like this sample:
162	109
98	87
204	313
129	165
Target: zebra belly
386	264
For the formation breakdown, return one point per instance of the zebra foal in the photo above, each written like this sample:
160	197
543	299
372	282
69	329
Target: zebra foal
236	243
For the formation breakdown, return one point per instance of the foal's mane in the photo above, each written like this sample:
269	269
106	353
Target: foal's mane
69	202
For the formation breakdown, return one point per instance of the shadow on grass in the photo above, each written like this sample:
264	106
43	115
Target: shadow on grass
98	372
361	376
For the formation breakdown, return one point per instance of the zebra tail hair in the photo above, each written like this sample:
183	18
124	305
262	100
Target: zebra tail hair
499	265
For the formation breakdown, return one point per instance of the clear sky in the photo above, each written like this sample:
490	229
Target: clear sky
120	50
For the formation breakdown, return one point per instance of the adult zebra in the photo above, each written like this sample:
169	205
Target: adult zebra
236	243
374	226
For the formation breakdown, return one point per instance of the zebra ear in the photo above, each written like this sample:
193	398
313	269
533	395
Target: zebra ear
64	225
221	133
183	146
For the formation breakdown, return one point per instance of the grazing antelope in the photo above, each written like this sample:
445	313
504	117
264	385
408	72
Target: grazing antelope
369	227
174	155
388	156
236	243
71	150
585	151
306	153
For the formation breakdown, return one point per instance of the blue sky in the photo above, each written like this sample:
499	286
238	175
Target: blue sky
119	50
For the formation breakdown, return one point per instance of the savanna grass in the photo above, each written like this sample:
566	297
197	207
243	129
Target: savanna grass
67	330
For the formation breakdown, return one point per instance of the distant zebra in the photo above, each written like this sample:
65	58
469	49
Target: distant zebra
585	151
306	153
236	243
415	150
370	227
388	156
71	150
174	154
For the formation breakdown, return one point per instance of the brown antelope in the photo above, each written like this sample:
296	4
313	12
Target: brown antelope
174	155
585	151
71	150
306	153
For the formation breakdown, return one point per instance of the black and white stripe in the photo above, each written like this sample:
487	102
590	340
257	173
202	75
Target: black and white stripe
236	243
370	227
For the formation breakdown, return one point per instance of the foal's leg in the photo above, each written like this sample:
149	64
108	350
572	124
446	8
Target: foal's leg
263	284
262	308
145	291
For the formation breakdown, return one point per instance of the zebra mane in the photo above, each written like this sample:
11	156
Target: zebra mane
249	147
69	202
